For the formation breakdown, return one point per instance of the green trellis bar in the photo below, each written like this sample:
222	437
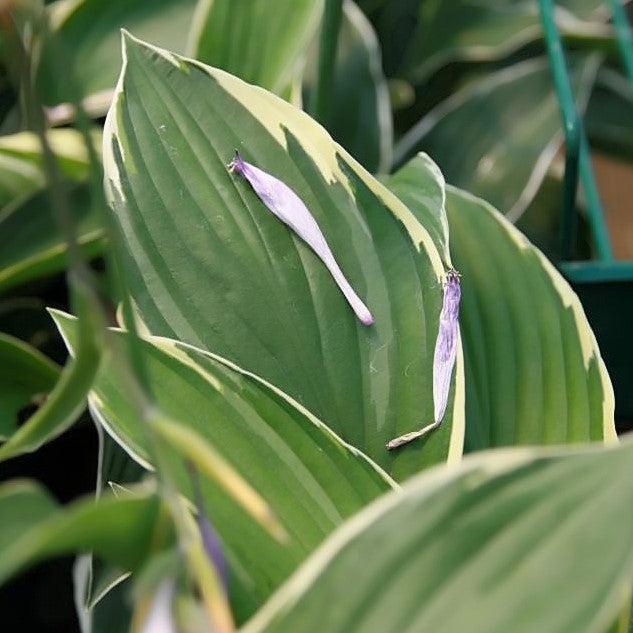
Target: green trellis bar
577	159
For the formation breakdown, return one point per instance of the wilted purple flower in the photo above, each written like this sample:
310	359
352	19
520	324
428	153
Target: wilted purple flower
210	540
443	359
291	210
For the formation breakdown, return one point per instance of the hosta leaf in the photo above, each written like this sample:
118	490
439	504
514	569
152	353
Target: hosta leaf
359	116
21	170
33	242
507	128
34	527
259	41
492	545
534	371
26	377
207	263
311	479
88	31
488	30
534	374
420	185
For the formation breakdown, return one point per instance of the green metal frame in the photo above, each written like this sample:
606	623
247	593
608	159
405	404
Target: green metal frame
577	158
605	286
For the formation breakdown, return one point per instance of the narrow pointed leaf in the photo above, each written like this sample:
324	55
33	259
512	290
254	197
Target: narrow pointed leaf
26	378
209	265
119	530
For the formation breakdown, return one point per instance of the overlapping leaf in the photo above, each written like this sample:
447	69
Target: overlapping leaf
87	33
33	243
359	115
21	161
534	374
478	31
310	479
493	545
208	264
261	42
507	128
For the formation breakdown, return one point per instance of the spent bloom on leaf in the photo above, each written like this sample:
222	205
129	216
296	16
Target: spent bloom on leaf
443	358
291	210
210	540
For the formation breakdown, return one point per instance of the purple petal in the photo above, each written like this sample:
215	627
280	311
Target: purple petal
446	344
443	358
210	540
291	210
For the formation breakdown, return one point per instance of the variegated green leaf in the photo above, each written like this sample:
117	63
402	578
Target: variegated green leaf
311	480
495	544
534	374
359	115
208	264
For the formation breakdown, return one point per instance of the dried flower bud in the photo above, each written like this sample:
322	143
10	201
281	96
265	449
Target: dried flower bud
291	210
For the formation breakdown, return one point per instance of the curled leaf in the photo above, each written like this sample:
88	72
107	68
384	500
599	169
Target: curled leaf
291	210
443	359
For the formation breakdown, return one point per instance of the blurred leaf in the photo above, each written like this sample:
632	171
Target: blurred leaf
540	222
67	399
122	531
609	117
534	374
259	41
360	114
311	480
521	541
88	33
26	377
21	161
208	264
33	243
487	30
497	137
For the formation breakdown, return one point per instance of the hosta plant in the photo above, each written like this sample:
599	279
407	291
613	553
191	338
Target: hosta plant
274	317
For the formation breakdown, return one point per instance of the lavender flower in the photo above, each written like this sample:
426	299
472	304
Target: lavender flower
210	540
443	359
291	210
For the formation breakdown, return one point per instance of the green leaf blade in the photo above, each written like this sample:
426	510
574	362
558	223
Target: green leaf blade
248	289
524	527
311	480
